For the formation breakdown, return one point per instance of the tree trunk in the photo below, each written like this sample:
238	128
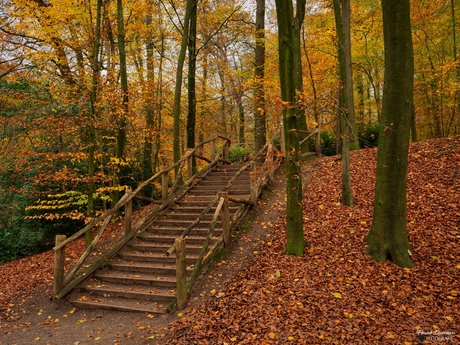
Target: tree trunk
192	53
121	136
295	237
259	78
387	238
178	87
351	118
346	109
300	106
121	139
147	166
456	106
93	111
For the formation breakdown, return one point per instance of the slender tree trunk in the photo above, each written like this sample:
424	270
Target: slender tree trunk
387	238
192	54
121	139
147	166
295	237
191	117
456	107
259	78
178	87
121	136
159	108
351	117
300	106
91	129
316	112
346	108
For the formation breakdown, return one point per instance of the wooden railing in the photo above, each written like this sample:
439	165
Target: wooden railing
63	283
261	175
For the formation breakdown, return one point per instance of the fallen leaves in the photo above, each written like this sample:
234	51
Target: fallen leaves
335	293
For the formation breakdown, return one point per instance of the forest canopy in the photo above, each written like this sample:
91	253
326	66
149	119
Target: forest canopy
90	80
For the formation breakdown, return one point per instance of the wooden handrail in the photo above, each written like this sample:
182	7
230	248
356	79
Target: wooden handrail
206	254
145	222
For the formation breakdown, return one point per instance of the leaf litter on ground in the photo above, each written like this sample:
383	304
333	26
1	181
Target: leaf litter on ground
334	293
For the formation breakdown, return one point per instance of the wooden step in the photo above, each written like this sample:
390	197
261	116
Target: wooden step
127	278
141	277
157	258
170	238
183	224
87	300
174	231
96	287
146	267
161	248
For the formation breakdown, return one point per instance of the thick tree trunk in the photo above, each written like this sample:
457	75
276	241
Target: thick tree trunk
387	238
259	76
295	237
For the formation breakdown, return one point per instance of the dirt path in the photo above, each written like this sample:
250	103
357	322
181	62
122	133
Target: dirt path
43	321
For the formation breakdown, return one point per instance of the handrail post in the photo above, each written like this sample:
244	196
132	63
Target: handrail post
225	217
282	139
164	186
254	184
318	143
181	273
59	259
225	151
213	150
128	213
271	172
190	164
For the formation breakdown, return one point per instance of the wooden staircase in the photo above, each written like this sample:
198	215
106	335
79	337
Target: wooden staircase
141	277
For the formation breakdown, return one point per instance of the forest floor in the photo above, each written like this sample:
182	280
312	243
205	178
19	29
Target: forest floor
333	294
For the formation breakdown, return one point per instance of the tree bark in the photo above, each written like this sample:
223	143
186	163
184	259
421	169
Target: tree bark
192	54
178	87
296	40
147	166
346	107
295	237
93	111
387	239
259	78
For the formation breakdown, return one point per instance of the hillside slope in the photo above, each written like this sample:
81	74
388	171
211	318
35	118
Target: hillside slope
334	293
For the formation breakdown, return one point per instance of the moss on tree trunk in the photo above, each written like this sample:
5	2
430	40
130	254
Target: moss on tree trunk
387	238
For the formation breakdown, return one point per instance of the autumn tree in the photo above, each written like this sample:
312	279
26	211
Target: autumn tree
387	238
286	52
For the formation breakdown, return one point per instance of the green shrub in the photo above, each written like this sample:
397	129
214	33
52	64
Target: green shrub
368	135
328	146
239	154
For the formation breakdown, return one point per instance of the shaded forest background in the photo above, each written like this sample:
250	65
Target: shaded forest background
49	122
